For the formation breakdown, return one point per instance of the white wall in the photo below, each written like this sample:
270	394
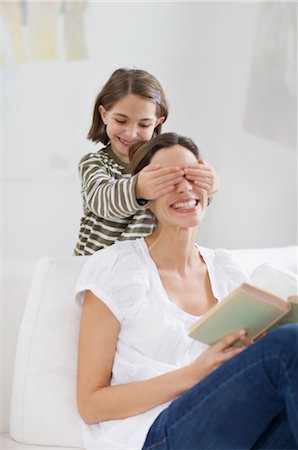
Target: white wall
202	54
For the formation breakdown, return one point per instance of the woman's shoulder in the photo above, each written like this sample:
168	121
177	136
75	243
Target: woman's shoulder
224	263
217	254
121	258
118	276
225	271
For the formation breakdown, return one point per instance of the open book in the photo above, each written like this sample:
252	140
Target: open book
246	307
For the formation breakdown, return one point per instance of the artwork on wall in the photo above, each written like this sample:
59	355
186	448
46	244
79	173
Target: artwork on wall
271	109
43	30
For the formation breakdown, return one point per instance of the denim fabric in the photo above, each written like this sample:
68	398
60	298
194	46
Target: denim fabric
250	402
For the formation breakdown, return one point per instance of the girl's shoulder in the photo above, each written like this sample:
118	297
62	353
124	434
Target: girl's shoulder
99	156
105	161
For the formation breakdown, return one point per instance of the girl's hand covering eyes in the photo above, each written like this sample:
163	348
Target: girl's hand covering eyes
203	175
154	181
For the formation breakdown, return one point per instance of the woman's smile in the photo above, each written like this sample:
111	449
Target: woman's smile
185	205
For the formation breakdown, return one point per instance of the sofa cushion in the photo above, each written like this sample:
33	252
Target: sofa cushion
277	280
43	404
250	258
6	443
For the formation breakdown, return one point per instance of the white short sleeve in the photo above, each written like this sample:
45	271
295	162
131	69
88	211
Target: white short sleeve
225	271
229	271
117	276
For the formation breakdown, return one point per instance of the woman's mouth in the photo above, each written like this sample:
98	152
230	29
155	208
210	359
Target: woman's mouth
186	206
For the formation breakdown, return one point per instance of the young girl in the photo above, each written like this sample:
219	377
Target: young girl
130	107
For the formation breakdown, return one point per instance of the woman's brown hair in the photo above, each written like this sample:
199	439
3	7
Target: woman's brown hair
141	153
122	82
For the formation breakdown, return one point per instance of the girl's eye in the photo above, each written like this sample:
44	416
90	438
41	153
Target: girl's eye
144	126
120	121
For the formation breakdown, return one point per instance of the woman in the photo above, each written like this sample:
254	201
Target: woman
142	381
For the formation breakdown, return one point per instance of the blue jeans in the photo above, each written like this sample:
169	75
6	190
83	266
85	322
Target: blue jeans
250	402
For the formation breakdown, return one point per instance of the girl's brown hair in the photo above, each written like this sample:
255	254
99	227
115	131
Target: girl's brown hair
141	153
122	82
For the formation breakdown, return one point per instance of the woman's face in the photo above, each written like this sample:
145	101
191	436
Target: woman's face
186	204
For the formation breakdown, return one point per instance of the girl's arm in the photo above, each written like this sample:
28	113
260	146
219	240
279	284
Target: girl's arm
104	194
98	401
110	197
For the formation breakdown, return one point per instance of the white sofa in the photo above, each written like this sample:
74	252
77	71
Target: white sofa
41	398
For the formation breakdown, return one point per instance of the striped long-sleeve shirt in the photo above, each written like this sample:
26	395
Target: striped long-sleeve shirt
110	208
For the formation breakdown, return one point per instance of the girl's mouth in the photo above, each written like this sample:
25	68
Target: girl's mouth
124	142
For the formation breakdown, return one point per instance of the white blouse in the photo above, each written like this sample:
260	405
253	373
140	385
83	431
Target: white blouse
153	337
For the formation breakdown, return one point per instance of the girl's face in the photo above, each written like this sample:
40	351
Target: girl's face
185	205
132	118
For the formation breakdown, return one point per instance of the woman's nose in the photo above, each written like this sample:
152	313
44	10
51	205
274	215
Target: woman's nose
184	186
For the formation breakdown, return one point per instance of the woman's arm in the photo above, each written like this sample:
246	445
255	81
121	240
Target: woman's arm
98	401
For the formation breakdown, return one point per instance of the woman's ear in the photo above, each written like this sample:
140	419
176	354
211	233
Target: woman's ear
103	113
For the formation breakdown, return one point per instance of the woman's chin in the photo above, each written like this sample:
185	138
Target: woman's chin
191	222
188	220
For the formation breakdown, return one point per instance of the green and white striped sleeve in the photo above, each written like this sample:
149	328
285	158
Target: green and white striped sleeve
107	192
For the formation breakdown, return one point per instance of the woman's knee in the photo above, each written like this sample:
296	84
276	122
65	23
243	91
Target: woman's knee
285	333
283	339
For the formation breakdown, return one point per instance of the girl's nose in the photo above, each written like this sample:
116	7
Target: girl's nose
131	131
184	186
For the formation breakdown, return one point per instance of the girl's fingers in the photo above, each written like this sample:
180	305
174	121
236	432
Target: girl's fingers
194	174
163	171
173	178
151	168
199	180
164	191
156	170
203	167
206	187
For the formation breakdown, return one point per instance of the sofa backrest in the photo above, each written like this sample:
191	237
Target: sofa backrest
43	402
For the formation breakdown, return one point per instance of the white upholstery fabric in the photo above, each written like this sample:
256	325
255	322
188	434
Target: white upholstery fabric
43	406
284	257
6	443
279	281
43	403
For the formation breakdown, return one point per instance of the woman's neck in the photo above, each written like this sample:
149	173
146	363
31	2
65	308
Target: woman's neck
173	249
